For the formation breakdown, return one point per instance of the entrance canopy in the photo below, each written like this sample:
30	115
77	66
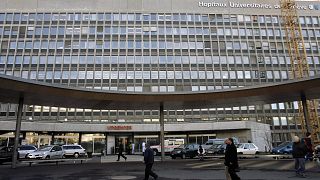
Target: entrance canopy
47	94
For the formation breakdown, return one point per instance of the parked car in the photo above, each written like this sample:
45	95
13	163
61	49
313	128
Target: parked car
47	152
169	145
217	149
285	148
212	142
247	148
6	154
73	150
24	150
184	151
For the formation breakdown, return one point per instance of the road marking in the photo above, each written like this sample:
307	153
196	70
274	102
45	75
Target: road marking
205	165
123	177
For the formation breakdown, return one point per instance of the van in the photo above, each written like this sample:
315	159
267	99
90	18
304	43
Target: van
169	145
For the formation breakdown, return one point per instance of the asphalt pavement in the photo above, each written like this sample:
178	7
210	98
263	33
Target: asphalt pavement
188	169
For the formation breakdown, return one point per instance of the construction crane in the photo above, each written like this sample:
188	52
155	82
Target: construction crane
308	111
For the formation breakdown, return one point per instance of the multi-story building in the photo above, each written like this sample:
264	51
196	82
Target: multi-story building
150	46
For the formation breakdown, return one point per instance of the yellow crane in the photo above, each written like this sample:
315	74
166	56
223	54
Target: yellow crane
308	113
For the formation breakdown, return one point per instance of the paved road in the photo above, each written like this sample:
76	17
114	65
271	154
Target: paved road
256	169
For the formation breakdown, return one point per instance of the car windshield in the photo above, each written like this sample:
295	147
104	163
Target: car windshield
181	146
284	144
239	145
46	148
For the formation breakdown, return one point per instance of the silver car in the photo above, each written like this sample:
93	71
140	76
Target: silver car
74	150
47	152
24	150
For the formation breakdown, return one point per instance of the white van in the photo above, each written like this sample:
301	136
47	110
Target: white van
169	145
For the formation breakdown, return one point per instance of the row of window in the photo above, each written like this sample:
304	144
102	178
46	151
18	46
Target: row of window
46	17
118	75
16	17
148	17
149	30
35	108
150	60
138	44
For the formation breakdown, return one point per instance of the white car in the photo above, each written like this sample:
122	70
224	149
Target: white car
24	150
74	150
47	152
247	148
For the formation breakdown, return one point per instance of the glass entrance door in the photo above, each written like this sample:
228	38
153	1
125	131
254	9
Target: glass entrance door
124	142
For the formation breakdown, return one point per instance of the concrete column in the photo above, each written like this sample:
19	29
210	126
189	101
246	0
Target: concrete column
17	133
305	112
106	144
52	138
80	137
162	131
187	140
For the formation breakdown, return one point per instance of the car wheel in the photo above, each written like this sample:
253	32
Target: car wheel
173	157
26	156
63	156
285	153
257	152
76	155
47	157
240	152
183	156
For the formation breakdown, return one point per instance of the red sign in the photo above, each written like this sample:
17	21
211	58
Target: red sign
120	128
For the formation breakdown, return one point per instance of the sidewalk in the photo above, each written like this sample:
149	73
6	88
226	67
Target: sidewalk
130	158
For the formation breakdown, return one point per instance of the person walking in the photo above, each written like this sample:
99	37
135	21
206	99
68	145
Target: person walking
201	152
231	160
299	151
143	147
132	148
120	153
148	161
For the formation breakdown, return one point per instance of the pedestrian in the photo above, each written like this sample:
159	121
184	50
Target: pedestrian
143	147
148	161
308	143
231	160
299	151
132	148
120	153
201	152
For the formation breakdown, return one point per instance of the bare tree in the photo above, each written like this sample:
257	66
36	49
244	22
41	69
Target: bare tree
268	141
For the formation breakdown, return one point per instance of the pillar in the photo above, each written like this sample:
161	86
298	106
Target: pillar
17	133
80	137
162	131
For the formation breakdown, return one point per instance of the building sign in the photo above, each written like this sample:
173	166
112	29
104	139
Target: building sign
119	128
253	5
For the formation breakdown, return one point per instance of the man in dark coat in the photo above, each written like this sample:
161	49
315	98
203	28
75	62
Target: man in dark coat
121	153
299	151
148	161
231	159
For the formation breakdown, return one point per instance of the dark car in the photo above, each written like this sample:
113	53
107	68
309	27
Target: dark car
6	154
285	148
184	151
216	149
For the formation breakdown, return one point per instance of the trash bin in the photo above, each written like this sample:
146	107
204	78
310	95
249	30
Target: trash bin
89	154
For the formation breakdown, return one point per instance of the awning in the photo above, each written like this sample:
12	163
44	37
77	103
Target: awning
47	94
